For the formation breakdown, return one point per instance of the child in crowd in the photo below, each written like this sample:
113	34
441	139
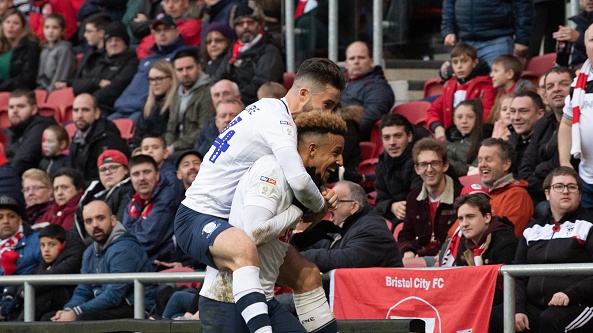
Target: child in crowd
271	90
464	137
465	84
154	145
62	254
57	62
53	143
506	75
502	118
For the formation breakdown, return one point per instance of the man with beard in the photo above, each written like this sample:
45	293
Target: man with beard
188	166
114	250
253	60
93	136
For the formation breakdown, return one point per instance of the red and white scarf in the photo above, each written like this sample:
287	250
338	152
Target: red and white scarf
8	255
451	251
240	47
578	97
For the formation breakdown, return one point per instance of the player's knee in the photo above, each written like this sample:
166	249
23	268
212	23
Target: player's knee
235	249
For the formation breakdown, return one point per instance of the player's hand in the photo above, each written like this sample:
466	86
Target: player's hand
330	197
521	322
450	40
559	299
399	209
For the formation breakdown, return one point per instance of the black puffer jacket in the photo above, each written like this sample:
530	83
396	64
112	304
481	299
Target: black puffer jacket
24	65
483	20
24	145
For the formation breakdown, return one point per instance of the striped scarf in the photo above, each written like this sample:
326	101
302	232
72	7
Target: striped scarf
578	97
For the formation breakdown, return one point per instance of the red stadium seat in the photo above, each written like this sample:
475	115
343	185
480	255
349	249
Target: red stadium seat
469	180
181	269
368	150
541	64
71	129
398	228
531	76
40	96
62	98
375	138
433	87
414	111
288	80
4	99
4	122
126	128
50	111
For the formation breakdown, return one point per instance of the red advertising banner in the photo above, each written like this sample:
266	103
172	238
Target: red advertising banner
449	300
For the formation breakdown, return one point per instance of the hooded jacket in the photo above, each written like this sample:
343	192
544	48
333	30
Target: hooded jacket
121	253
582	20
24	145
28	251
440	112
371	91
56	63
182	131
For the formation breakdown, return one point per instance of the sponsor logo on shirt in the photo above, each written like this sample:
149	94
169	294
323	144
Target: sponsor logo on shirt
284	122
268	180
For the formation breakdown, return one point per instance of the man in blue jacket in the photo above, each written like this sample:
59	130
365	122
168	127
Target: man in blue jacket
114	250
493	27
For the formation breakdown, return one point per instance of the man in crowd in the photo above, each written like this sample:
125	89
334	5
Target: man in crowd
191	107
224	89
114	250
226	110
254	59
527	107
167	42
94	134
563	235
152	209
26	128
188	166
395	171
541	156
366	86
429	208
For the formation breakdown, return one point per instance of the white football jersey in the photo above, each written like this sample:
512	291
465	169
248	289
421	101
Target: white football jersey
261	129
264	186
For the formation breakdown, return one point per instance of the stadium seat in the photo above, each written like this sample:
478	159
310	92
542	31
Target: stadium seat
40	96
4	122
414	111
367	167
433	87
368	150
181	269
62	98
287	80
472	179
50	111
126	128
375	137
71	129
531	77
398	228
4	99
541	64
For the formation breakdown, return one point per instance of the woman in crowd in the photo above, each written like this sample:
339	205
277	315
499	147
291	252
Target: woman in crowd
163	86
19	52
218	39
68	187
57	62
38	194
463	138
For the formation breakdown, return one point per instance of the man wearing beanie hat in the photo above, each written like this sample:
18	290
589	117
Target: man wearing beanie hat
114	187
254	59
112	72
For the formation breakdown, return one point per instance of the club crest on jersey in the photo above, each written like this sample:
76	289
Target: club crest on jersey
288	130
209	228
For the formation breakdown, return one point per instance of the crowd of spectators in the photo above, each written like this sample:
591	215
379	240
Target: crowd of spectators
183	77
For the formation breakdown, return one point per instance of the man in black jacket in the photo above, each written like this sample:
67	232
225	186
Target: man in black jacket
93	136
26	128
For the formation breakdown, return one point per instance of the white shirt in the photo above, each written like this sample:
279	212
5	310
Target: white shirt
263	128
263	208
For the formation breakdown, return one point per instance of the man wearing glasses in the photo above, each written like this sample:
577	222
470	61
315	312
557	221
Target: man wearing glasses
563	235
429	208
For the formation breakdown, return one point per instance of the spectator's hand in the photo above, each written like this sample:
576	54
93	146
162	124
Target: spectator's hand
520	50
60	85
168	264
566	34
409	254
104	83
450	40
330	197
140	18
399	209
439	133
521	322
64	315
559	299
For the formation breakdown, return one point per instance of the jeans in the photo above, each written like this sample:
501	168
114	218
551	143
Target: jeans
491	49
178	304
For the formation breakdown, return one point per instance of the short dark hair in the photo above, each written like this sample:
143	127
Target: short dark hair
510	62
99	20
477	133
53	231
505	150
559	70
152	135
562	171
59	18
142	159
536	99
75	175
430	144
187	52
29	94
466	49
320	71
394	119
478	200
